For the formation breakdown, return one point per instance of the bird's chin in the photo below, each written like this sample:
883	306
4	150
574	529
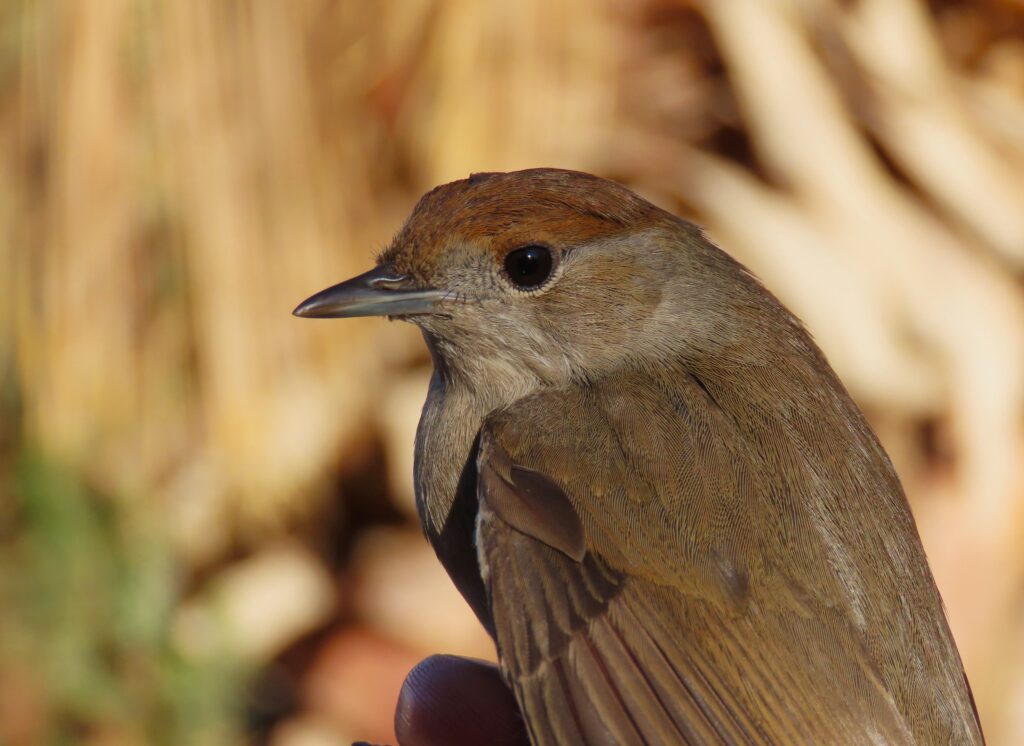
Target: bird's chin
420	319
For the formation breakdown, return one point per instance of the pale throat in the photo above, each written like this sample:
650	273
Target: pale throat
444	440
498	367
469	383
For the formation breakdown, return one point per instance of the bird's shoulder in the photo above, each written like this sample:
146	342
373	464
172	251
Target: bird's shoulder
664	485
644	508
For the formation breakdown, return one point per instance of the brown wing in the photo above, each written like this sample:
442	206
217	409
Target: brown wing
653	580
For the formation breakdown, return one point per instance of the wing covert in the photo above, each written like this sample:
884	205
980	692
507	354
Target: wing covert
676	624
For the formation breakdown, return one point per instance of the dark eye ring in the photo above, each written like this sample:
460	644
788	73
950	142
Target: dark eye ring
529	267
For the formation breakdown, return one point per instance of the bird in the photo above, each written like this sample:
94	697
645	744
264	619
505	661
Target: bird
647	482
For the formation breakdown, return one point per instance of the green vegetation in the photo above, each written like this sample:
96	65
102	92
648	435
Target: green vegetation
86	653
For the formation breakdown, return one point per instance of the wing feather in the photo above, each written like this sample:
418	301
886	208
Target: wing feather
638	611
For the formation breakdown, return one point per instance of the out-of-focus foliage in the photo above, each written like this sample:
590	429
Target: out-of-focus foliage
85	653
197	486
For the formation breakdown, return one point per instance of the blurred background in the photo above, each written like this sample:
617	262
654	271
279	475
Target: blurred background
207	533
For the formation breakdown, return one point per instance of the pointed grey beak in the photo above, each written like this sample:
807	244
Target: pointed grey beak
379	292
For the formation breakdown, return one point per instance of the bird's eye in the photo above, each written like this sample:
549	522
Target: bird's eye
529	266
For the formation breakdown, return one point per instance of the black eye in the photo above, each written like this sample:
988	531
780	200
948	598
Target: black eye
529	266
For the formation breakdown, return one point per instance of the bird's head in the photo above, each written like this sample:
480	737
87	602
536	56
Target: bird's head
544	276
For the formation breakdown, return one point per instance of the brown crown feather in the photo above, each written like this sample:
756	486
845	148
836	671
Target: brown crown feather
501	211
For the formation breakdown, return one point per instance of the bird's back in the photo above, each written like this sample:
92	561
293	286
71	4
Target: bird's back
756	580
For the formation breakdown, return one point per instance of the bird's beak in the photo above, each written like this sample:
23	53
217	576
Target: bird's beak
379	292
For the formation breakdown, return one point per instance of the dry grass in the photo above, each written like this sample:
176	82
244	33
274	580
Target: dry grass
175	176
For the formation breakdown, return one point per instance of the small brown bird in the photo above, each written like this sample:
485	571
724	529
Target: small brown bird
648	483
